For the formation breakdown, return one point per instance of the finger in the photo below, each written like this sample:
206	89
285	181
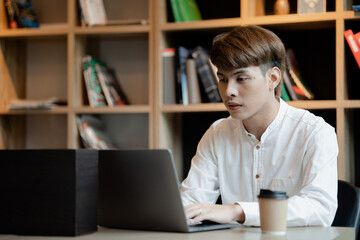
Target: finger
199	218
193	212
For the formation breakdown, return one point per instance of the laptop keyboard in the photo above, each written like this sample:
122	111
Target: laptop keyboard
203	223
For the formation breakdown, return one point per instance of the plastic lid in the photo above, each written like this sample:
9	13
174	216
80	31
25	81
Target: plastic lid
265	193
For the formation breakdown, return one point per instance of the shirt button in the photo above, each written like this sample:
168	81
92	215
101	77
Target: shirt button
257	176
257	147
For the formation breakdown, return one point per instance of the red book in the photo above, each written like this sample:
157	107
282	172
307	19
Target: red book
357	38
353	44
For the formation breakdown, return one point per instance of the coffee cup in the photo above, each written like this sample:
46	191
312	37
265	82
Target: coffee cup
273	211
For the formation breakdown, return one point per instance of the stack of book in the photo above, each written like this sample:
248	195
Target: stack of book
102	86
293	87
189	76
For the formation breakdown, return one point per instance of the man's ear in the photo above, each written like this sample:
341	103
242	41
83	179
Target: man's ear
274	77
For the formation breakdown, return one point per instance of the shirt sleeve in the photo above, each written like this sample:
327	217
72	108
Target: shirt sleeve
316	202
201	184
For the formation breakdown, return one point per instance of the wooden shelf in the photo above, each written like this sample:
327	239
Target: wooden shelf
55	110
127	29
27	32
205	107
114	110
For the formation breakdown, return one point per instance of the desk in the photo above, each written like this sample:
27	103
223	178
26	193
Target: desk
242	233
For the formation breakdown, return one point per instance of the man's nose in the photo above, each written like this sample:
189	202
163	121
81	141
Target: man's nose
231	90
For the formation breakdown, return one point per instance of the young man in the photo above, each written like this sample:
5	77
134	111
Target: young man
263	144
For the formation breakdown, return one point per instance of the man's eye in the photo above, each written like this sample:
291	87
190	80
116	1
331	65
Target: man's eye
241	79
224	80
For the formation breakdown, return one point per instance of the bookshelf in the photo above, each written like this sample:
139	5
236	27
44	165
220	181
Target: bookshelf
324	57
45	62
40	63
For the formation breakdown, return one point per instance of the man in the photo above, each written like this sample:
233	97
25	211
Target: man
263	144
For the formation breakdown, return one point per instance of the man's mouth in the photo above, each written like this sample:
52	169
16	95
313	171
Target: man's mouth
234	106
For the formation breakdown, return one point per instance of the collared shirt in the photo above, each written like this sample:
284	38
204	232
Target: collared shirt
297	153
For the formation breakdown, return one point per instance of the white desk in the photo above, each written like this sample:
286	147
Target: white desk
304	233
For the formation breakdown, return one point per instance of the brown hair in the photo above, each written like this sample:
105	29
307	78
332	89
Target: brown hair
246	46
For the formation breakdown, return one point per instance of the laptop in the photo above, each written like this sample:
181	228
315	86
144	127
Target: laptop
139	189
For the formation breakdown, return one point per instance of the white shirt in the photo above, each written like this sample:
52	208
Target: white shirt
297	153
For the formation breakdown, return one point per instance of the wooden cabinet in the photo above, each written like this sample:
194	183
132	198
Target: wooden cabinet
40	63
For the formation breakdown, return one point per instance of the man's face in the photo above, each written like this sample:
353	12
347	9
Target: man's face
245	91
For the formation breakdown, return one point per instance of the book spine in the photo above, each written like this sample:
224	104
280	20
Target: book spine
183	55
104	82
289	86
206	75
10	13
94	90
357	40
84	11
176	10
193	81
118	91
169	76
189	10
354	47
26	13
96	12
295	74
284	94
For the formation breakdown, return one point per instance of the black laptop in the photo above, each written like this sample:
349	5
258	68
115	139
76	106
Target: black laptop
139	189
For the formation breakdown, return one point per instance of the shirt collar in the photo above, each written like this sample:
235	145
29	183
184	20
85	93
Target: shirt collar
278	119
273	125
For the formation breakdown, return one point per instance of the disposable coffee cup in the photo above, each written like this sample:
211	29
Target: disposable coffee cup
273	210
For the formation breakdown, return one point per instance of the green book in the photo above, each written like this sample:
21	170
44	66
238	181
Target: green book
284	93
189	10
176	10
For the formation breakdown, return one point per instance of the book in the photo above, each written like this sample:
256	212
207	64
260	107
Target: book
306	6
183	55
193	81
12	18
92	132
357	38
94	90
293	67
169	75
110	86
288	83
176	10
353	43
295	93
93	12
284	94
27	15
206	74
356	8
118	87
189	10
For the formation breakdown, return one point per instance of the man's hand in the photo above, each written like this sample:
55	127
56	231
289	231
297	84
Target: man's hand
217	213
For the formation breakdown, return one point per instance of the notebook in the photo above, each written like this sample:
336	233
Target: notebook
139	189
